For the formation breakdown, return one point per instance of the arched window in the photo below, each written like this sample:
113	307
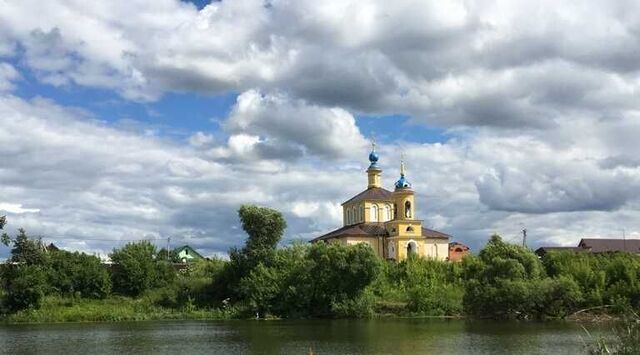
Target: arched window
407	209
409	229
348	216
374	213
361	213
355	215
387	213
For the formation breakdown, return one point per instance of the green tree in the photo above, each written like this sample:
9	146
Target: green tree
78	274
24	286
503	281
264	227
27	250
339	274
4	238
136	269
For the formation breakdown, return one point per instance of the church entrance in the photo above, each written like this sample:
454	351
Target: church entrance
412	248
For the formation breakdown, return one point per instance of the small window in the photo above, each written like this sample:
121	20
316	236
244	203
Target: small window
409	229
407	209
374	213
387	213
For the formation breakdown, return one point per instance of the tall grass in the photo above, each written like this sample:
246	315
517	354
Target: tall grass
56	309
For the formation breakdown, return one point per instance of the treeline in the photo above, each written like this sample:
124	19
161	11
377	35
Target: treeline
326	279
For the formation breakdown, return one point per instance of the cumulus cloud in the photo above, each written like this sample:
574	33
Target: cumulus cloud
86	184
328	132
486	63
539	99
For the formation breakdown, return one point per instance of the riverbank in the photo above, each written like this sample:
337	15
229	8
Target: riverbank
120	309
114	309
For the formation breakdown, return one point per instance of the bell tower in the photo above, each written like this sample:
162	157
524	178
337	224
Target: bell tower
405	231
374	172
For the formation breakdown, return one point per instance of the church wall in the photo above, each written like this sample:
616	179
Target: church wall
429	248
374	242
436	249
369	206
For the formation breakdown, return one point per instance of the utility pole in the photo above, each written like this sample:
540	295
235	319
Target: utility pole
168	246
524	237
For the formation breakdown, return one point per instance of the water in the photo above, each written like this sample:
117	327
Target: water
385	336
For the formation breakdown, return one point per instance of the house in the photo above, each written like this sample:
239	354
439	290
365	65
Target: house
186	254
597	245
387	221
457	251
606	245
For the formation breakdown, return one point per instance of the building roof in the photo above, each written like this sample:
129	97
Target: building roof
605	245
360	229
373	230
458	244
372	193
192	251
430	233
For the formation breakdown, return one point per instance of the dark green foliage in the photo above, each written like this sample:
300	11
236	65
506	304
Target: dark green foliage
264	227
137	269
79	274
24	286
169	256
504	281
4	238
27	250
322	280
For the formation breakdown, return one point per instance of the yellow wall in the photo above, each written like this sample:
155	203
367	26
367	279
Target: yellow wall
429	248
374	242
400	197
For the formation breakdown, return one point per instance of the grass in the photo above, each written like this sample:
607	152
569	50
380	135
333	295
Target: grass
113	309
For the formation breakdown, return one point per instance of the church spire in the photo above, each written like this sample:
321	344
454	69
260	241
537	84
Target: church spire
374	172
402	183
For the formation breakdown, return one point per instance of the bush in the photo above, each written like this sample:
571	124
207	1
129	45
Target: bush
78	274
24	287
136	269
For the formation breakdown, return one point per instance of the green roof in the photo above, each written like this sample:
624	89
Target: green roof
190	250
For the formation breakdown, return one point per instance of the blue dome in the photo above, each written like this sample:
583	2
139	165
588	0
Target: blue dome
402	183
373	157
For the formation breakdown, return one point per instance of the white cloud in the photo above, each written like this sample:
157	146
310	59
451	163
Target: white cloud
487	63
539	97
16	208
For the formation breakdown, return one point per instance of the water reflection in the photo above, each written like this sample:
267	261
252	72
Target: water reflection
382	336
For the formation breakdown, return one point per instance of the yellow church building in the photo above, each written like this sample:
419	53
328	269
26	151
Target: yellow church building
386	220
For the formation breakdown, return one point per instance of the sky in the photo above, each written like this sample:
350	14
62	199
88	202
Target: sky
132	120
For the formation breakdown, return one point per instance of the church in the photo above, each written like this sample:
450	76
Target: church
386	220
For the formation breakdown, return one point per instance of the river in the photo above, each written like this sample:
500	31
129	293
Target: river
381	336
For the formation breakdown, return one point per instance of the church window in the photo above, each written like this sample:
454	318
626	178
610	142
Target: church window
348	216
407	209
409	229
361	213
387	213
374	213
353	213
